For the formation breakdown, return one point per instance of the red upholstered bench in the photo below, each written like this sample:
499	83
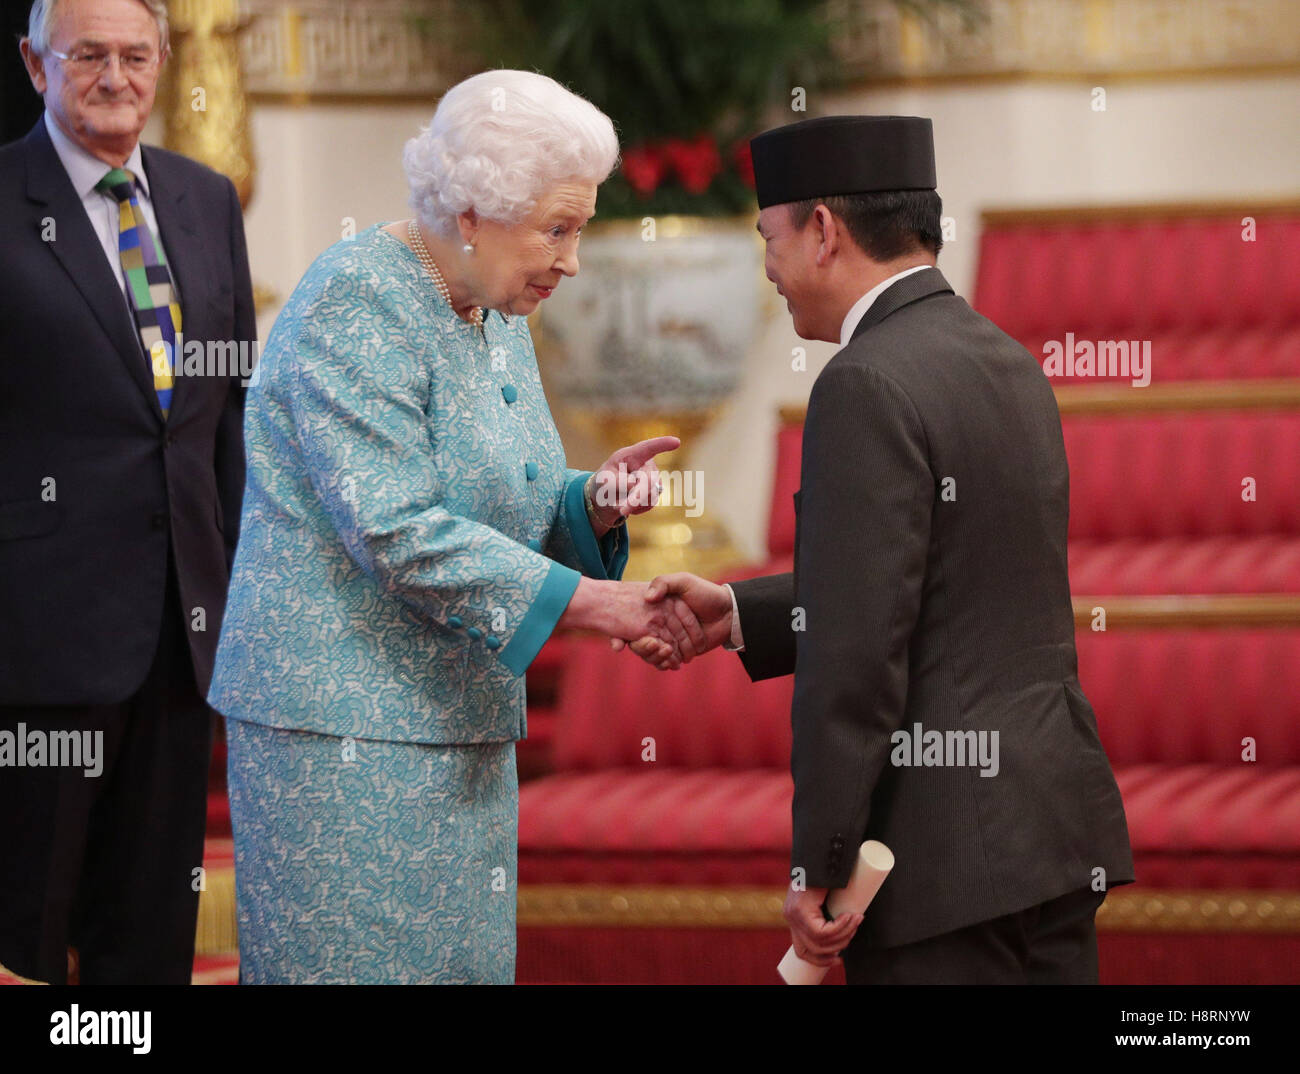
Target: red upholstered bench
1211	305
1156	502
1182	354
1157	508
534	754
1229	564
1167	272
712	807
1176	710
1181	475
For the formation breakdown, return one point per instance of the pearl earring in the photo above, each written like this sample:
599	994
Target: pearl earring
468	248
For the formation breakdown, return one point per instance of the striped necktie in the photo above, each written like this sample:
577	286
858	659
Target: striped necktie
149	284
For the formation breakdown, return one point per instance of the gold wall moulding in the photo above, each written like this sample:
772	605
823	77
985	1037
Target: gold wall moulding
205	109
1274	204
591	906
752	907
1191	612
336	50
1076	400
881	41
1150	910
265	297
1279	393
1200	911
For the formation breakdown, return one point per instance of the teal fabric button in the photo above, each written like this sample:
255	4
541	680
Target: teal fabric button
510	393
491	642
454	622
534	544
474	633
530	470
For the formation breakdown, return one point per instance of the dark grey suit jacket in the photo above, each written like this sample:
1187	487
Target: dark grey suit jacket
930	588
82	570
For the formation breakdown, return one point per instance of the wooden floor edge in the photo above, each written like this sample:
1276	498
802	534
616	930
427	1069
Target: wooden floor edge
598	906
1108	397
1111	398
1188	611
743	907
217	932
593	906
1277	203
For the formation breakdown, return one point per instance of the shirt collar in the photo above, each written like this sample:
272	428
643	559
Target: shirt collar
859	309
85	169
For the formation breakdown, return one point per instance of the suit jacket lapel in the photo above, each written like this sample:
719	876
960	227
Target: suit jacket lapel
179	237
78	250
903	293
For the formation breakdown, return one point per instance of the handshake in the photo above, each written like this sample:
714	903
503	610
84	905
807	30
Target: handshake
667	622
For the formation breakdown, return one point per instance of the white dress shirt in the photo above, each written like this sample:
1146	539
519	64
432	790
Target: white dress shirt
85	171
856	312
859	309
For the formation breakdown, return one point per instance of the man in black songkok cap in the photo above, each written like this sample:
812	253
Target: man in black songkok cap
928	620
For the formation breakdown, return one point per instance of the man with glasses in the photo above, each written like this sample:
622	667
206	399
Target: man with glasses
119	504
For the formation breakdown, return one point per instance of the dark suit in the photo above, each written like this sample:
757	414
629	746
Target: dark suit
930	574
117	528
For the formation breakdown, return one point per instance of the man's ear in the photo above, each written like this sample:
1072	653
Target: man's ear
35	64
829	228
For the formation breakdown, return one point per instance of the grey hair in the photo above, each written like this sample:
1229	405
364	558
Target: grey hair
42	15
499	140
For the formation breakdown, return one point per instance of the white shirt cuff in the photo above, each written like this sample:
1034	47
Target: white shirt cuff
737	643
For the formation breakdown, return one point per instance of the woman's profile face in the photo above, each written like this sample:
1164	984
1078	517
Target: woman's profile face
515	267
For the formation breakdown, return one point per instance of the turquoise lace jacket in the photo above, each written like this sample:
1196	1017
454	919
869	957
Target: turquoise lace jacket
410	530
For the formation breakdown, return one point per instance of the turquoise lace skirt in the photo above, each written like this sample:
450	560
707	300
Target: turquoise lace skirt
368	862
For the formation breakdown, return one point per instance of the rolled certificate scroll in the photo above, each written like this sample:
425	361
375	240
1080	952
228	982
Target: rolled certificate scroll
869	872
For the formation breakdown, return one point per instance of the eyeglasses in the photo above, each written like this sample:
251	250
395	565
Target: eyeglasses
90	61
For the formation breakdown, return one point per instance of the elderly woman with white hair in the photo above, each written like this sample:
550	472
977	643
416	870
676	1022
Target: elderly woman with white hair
410	537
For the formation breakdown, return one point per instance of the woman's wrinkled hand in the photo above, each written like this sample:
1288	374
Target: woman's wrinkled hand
627	483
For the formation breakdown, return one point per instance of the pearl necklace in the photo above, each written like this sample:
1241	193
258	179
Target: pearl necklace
417	244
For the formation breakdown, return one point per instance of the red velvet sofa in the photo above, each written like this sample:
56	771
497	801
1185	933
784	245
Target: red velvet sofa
1213	305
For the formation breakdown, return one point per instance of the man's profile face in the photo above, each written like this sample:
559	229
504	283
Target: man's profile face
789	262
104	111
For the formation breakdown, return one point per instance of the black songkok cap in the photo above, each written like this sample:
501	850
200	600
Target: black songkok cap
818	158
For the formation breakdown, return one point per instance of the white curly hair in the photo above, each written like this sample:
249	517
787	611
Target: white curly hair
498	141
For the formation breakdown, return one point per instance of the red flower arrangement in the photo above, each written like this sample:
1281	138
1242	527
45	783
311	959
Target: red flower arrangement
744	159
644	167
694	163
